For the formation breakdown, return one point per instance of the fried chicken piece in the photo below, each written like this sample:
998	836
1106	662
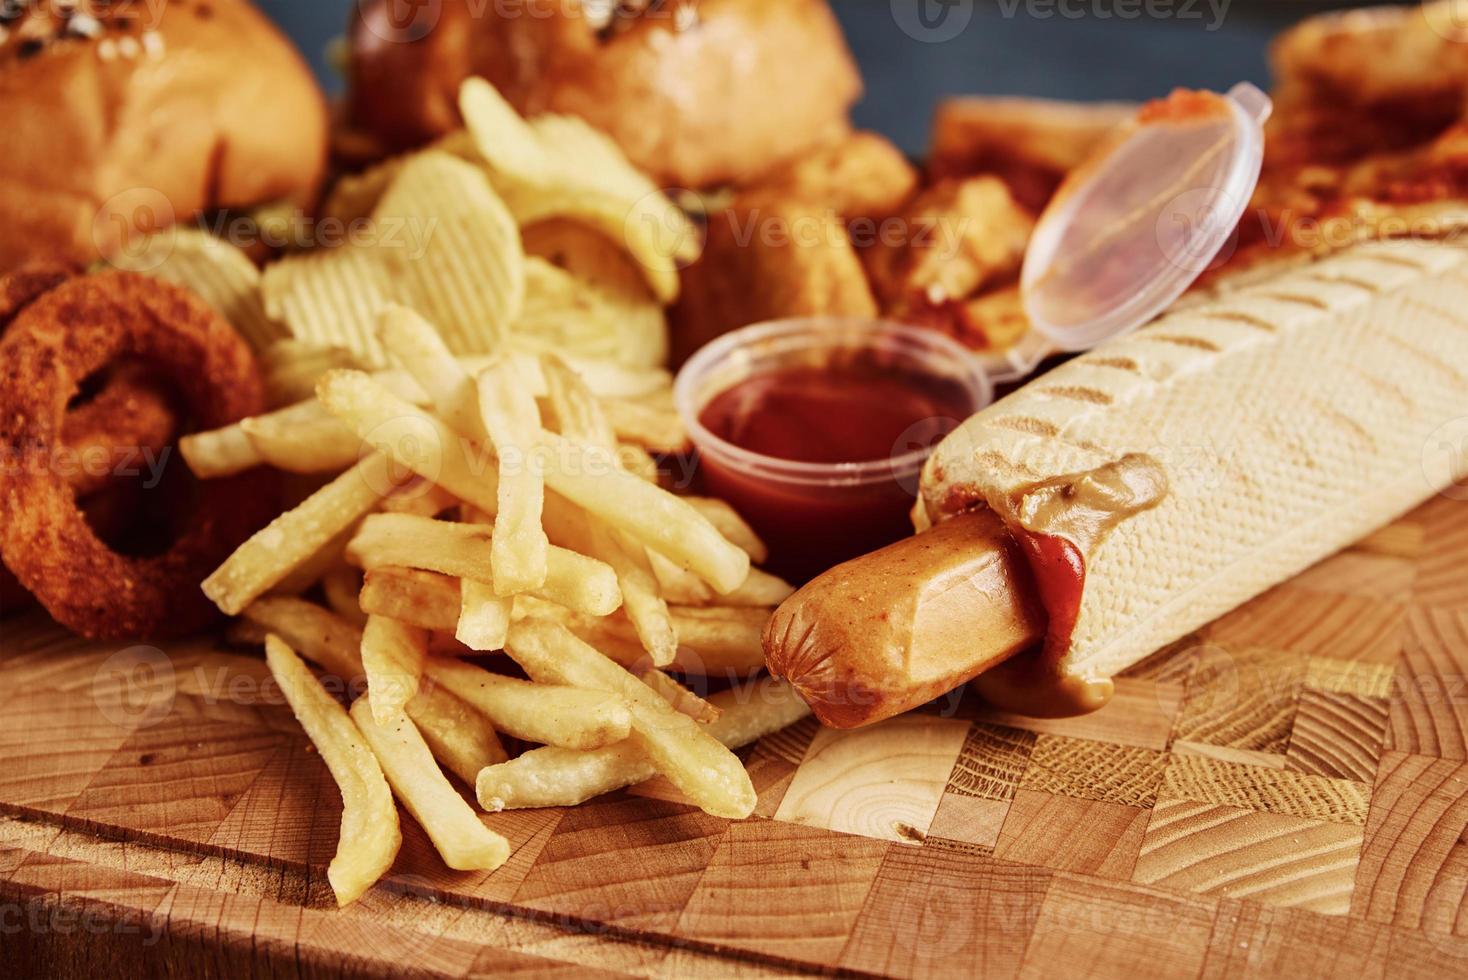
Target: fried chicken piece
1031	144
959	238
859	175
768	258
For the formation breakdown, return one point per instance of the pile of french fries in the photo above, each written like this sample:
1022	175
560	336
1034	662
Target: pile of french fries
485	506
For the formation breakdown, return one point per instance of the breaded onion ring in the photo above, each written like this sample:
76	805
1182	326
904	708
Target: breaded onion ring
129	413
127	423
57	341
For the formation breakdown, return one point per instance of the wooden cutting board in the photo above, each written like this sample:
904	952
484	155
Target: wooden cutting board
1284	794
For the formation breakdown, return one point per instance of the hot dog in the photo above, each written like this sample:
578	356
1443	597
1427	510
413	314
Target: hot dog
1139	491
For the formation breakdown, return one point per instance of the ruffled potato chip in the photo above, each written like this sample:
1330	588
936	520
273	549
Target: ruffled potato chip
440	241
560	167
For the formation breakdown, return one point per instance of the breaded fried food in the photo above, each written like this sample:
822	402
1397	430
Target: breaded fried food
862	176
961	238
1031	144
769	258
64	336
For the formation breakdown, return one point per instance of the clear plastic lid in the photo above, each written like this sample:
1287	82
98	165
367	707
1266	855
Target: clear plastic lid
1132	228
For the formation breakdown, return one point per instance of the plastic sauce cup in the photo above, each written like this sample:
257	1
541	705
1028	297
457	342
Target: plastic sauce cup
814	515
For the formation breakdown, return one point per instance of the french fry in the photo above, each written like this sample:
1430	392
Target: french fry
219	453
463	550
641	600
577	412
392	655
605	378
315	633
580	417
461	738
589	477
416	438
419	497
295	536
733	527
463	842
703	769
418	347
560	777
585	475
550	714
734	652
683	700
720	638
682	588
427	600
660	430
303	438
484	617
292	368
370	835
341	585
512	420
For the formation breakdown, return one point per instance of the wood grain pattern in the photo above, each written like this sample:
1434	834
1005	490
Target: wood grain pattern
1283	794
1141	713
1088	927
1414	865
1264	857
1206	780
1242	698
1088	770
884	781
1429	715
946	914
1085	836
1337	735
991	762
1346	627
826	876
1253	942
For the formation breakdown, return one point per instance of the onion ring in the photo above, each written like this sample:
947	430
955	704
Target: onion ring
129	413
53	344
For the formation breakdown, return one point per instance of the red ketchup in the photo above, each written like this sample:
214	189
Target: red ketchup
855	411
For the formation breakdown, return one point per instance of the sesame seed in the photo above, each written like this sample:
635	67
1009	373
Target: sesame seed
107	50
129	47
153	44
84	25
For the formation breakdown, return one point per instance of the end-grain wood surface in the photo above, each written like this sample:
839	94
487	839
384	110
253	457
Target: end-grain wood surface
1284	794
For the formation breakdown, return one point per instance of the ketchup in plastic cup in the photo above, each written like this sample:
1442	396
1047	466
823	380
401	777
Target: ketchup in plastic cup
816	430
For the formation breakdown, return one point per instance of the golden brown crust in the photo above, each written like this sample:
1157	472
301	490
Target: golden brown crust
179	105
696	92
52	345
768	258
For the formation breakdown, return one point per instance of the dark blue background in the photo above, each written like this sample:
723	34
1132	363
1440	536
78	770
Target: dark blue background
1008	47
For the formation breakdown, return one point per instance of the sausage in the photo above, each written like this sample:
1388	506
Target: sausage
889	631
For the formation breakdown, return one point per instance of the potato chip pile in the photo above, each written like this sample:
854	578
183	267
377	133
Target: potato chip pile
483	537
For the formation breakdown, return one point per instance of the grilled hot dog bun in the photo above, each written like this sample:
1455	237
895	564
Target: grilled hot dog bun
1150	486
